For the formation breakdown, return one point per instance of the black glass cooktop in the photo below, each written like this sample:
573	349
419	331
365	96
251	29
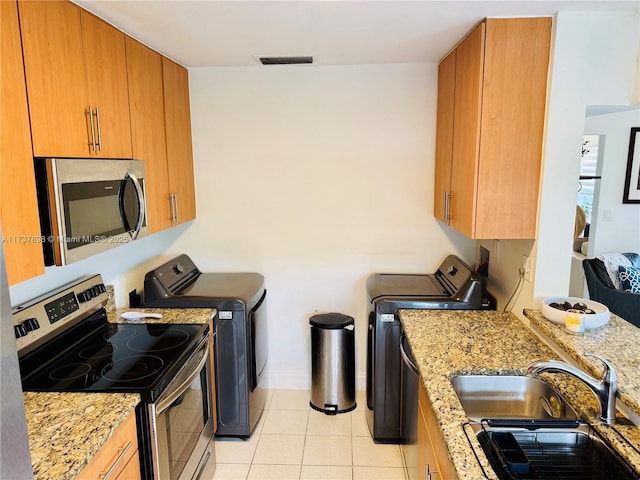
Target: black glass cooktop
96	356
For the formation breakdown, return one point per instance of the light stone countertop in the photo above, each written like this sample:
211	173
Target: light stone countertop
448	343
169	315
618	341
67	429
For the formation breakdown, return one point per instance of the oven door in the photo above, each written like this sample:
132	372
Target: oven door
182	422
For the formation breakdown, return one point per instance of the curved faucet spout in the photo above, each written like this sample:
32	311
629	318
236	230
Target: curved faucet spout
604	388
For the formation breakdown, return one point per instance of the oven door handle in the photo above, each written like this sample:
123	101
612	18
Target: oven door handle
166	400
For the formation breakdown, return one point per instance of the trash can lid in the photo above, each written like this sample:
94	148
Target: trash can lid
331	320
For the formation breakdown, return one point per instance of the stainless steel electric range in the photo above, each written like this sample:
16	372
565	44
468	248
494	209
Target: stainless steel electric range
66	344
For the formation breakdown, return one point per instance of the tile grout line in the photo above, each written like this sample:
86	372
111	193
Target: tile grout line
309	411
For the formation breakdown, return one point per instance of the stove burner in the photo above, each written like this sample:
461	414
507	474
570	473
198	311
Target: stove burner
97	351
70	371
132	368
160	337
121	332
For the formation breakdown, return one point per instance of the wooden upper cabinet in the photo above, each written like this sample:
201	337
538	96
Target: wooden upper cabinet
444	137
54	66
75	65
106	70
18	204
513	118
146	104
179	149
466	131
498	125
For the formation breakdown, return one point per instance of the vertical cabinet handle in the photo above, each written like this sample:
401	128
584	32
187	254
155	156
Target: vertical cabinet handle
447	207
444	206
171	207
97	117
123	453
175	199
92	142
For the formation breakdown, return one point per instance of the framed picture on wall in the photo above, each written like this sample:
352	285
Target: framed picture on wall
632	180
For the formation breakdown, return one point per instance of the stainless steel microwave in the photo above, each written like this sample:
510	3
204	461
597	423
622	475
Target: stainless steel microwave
88	206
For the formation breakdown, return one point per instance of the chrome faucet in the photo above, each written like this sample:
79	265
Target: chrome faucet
604	388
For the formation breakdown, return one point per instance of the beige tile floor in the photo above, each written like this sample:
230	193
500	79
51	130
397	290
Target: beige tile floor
293	441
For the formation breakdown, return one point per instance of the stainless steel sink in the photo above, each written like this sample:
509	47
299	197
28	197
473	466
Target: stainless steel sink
528	431
508	397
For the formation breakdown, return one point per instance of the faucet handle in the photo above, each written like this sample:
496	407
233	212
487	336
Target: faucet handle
609	375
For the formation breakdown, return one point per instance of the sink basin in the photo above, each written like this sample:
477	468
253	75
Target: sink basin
552	453
528	431
509	397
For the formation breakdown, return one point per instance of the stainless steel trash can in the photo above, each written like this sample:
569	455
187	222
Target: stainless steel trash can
333	373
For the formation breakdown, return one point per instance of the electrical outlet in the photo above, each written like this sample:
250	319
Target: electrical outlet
526	264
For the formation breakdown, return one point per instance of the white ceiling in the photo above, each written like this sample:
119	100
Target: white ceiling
233	33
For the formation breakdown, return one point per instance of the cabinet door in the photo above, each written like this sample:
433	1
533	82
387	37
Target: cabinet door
131	471
438	454
427	463
55	76
466	130
444	136
179	150
146	104
18	203
106	69
513	112
116	455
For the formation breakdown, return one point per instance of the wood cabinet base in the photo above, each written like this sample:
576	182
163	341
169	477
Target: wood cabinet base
433	455
118	458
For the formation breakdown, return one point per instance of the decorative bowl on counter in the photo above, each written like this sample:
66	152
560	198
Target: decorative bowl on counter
592	320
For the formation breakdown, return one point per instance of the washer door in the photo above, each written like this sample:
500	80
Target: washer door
259	341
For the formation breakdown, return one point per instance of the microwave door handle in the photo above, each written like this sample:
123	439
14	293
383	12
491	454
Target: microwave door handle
141	208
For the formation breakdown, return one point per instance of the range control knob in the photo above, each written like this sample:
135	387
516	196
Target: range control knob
178	269
20	330
83	297
31	324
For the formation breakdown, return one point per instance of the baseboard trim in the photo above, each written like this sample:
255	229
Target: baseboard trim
297	381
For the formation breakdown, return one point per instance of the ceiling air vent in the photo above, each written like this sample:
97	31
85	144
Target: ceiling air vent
285	60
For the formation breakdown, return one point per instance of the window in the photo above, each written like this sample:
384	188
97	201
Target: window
589	174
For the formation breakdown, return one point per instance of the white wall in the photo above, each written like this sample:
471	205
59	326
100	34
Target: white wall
315	177
619	230
594	62
124	267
